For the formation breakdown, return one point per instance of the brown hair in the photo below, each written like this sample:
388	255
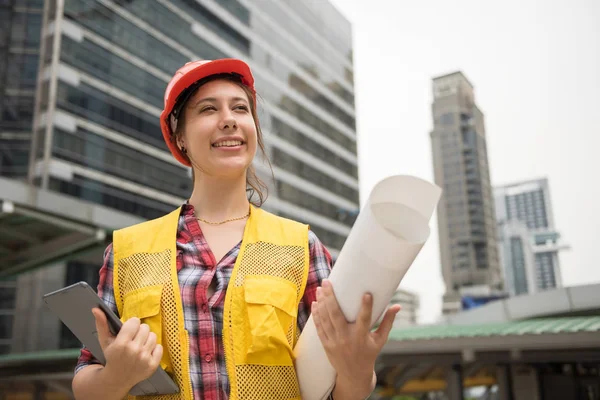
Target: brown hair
254	185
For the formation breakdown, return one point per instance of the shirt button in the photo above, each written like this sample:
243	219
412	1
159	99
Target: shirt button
208	358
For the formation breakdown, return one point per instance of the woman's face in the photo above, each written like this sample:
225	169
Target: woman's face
219	134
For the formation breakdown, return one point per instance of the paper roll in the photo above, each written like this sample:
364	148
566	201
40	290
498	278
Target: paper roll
384	241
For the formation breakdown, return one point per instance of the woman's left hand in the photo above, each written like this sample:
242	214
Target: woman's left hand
351	347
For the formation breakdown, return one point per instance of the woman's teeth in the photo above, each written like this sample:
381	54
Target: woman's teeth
229	143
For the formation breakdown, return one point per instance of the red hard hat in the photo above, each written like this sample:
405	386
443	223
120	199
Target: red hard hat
186	76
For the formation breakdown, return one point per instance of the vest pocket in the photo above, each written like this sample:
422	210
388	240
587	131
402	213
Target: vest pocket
272	309
144	303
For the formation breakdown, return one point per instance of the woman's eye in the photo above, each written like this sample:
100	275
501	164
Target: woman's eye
242	107
207	108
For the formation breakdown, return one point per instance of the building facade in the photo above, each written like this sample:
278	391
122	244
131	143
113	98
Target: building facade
19	57
82	91
528	240
408	315
20	24
466	218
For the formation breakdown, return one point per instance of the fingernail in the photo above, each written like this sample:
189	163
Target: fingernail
326	283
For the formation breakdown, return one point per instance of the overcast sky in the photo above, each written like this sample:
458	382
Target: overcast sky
535	66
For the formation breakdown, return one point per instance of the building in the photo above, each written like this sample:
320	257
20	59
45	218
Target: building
410	308
82	88
528	240
466	219
516	256
19	56
101	86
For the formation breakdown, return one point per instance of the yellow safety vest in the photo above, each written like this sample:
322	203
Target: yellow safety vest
261	304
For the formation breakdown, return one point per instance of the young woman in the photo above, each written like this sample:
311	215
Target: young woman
218	291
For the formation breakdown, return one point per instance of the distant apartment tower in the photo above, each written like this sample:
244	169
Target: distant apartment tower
527	238
410	308
466	223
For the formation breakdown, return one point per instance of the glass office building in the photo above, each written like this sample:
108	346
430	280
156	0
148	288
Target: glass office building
104	68
20	24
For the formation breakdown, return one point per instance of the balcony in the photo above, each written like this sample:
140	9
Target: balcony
550	247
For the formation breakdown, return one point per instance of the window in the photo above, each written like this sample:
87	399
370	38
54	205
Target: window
545	269
295	166
304	142
275	95
32	30
112	69
7	298
22	71
331	240
317	123
102	21
214	23
6	326
337	70
78	272
517	261
14	161
305	200
469	139
447	119
90	150
17	112
481	256
35	3
312	94
109	196
163	20
101	108
237	9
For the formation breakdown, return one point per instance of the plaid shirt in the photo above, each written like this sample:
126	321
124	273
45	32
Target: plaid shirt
196	269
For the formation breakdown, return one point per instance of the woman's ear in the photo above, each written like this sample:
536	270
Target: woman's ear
181	144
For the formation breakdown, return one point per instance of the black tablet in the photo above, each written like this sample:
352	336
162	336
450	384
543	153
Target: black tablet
73	305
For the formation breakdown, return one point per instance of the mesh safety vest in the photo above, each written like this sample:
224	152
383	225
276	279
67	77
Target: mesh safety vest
261	303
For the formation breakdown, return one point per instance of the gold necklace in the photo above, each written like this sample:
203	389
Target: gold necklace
223	222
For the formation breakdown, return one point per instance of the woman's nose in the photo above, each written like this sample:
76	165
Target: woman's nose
228	122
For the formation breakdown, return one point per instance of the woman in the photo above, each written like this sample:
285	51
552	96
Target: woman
218	291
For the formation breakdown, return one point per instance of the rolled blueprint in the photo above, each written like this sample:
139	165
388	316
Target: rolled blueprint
388	234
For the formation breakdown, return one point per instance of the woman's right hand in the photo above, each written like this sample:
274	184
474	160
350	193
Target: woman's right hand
133	354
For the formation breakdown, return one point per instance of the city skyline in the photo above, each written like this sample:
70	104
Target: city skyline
537	84
529	95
